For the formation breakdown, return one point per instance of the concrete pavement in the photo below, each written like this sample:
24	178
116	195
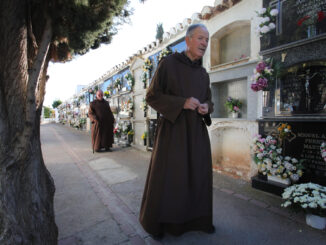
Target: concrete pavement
98	197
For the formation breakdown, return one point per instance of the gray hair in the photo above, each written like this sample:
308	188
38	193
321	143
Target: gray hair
191	29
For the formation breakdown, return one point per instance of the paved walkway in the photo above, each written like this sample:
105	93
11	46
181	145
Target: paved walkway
98	197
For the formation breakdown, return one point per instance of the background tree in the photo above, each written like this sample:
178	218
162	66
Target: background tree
159	31
56	103
32	33
47	112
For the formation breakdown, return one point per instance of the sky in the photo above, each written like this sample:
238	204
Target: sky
82	70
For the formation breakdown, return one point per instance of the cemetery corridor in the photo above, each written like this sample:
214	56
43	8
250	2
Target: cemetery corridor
98	197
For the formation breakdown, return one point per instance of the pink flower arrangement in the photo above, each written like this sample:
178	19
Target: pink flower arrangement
262	76
233	105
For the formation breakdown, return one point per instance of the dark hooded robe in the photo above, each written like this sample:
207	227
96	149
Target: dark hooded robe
178	190
102	120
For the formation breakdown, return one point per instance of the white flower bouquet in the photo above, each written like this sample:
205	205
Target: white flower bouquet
266	20
309	197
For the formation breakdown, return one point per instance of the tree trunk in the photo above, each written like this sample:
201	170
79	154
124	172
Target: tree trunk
26	186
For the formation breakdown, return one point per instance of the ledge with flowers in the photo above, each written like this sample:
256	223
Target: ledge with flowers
276	170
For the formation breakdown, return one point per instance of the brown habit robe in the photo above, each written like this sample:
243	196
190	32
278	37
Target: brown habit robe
102	120
178	190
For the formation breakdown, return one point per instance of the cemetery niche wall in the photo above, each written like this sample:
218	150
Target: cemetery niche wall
297	96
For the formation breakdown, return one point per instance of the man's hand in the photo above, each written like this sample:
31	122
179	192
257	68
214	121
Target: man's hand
202	109
191	103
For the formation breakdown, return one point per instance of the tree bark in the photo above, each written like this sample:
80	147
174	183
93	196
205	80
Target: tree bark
26	186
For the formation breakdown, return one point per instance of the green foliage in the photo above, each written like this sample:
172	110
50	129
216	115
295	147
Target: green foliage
159	31
81	25
47	112
56	103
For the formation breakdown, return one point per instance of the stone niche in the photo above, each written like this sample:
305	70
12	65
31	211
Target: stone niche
230	144
236	34
236	89
302	90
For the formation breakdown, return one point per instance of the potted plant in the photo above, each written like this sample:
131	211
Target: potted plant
144	137
310	198
233	106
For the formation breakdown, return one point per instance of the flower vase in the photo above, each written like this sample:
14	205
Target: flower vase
262	176
311	31
235	114
130	139
316	221
266	98
273	178
145	142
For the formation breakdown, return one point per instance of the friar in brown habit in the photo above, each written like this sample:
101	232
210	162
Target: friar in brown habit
102	120
178	191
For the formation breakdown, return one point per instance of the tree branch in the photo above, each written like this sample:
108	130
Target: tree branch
35	74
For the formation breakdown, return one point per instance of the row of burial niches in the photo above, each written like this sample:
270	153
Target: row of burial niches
294	104
295	50
294	21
